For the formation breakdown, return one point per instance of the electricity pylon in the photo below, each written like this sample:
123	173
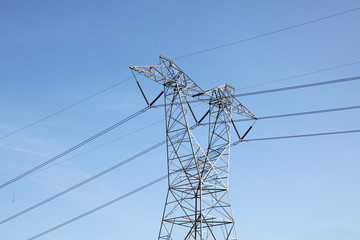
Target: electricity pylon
197	203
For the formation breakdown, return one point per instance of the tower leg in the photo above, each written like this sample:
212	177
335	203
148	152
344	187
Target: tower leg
197	204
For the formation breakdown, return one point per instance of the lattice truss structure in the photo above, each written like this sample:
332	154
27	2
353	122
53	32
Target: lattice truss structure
197	203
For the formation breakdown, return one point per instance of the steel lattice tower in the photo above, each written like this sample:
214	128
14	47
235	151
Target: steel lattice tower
197	203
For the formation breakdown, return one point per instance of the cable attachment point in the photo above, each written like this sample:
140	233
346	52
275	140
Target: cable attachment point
197	123
142	92
236	130
192	113
241	138
150	105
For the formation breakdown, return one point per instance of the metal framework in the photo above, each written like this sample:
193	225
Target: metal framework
197	204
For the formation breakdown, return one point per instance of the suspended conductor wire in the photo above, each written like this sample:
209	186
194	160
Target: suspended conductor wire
100	207
300	75
106	143
267	34
187	55
102	145
162	143
117	84
299	86
298	136
164	177
162	105
89	179
64	109
302	113
286	88
237	120
83	182
75	147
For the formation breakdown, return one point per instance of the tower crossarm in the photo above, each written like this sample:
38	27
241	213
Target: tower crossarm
168	74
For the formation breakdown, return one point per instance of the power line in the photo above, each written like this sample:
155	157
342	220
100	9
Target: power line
301	75
299	86
303	135
117	84
273	89
277	90
156	146
286	88
162	105
83	182
64	109
106	143
302	113
90	179
267	34
191	54
102	145
164	177
238	120
100	207
75	147
1	186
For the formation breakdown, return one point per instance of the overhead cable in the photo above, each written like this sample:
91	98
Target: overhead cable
83	182
101	145
164	177
299	136
237	120
90	179
100	207
187	55
75	147
285	88
301	75
142	153
268	33
299	86
116	84
64	109
302	113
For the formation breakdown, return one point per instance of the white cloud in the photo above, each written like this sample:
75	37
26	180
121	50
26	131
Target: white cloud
19	149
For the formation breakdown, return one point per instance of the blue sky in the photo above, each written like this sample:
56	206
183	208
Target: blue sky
54	53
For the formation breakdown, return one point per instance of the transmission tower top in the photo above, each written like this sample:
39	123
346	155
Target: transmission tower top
168	74
197	205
